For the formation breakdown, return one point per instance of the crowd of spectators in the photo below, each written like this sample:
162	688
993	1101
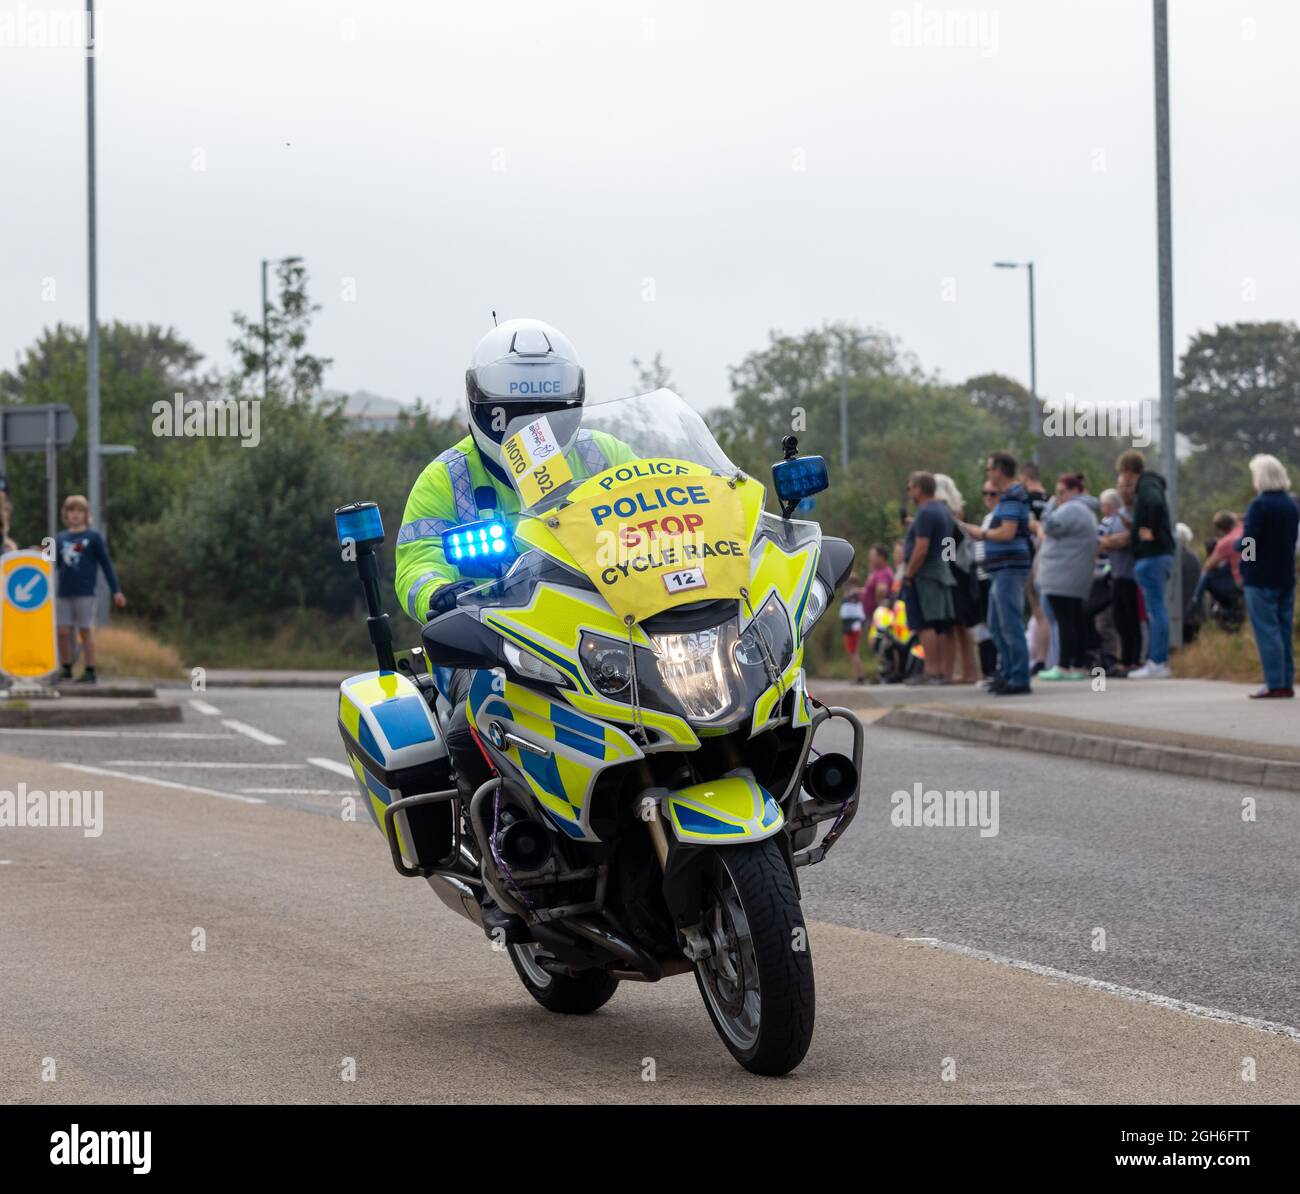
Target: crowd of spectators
1065	586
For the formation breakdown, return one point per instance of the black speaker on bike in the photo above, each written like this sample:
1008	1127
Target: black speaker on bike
524	845
831	779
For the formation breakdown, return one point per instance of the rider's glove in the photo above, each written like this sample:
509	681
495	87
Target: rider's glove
445	598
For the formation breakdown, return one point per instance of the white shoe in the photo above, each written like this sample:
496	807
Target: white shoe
1152	671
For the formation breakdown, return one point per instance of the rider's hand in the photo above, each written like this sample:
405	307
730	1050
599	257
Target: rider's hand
445	598
119	600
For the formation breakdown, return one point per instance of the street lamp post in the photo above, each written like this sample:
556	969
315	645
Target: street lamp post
1033	351
92	279
1165	284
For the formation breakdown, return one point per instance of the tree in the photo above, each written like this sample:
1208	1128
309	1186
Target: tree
654	376
1240	390
139	365
1005	399
291	372
792	385
252	534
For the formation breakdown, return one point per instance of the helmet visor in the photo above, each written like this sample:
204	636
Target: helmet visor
498	420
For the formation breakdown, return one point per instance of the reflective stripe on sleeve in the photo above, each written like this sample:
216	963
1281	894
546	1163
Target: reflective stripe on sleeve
424	528
414	592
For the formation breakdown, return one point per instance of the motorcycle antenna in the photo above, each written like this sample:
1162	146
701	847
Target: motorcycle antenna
494	319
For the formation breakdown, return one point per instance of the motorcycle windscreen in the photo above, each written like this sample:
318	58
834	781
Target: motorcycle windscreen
657	533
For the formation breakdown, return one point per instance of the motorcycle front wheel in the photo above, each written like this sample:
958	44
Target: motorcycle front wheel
757	982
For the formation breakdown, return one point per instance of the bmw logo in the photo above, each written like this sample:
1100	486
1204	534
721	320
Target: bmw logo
497	735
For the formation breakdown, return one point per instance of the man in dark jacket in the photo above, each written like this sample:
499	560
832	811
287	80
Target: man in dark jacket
1268	553
1153	555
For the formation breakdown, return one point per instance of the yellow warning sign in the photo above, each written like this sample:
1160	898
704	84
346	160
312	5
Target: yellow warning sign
673	535
28	638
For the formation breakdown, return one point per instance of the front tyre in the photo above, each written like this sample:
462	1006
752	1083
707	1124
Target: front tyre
757	982
578	995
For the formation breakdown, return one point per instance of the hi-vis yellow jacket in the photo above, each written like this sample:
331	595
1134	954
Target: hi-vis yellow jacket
457	488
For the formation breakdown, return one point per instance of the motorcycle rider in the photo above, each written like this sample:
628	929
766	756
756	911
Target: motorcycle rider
522	370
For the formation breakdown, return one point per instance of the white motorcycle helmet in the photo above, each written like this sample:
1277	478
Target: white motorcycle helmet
521	370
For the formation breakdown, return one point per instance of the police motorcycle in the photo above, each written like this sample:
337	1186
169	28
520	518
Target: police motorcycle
637	647
896	646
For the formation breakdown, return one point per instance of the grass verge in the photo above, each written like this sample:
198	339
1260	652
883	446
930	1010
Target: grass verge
1217	655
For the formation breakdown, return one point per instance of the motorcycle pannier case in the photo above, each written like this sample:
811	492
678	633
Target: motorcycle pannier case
396	750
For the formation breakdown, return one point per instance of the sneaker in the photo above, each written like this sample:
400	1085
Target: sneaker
1272	694
1013	690
1052	673
1152	671
86	678
1075	675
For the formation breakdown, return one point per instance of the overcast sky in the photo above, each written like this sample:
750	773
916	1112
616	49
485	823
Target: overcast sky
656	175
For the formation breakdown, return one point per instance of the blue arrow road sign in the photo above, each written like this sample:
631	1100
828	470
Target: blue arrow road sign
27	588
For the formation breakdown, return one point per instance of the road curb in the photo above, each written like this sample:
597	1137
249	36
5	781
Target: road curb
46	714
1176	760
324	680
137	692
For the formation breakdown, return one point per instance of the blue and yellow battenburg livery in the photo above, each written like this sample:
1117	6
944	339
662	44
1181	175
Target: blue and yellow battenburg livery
581	733
575	721
634	673
396	749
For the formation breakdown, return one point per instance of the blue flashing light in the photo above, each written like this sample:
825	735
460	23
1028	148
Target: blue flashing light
480	548
800	478
359	522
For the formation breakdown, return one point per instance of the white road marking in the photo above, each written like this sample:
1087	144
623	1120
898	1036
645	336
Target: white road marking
332	765
186	764
161	783
1137	996
203	707
252	732
300	791
152	734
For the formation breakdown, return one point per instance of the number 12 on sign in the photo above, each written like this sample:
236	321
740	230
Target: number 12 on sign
683	579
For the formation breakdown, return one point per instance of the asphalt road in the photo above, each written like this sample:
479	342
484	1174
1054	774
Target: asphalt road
317	951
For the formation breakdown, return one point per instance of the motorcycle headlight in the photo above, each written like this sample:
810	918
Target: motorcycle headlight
696	668
819	597
770	629
607	664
